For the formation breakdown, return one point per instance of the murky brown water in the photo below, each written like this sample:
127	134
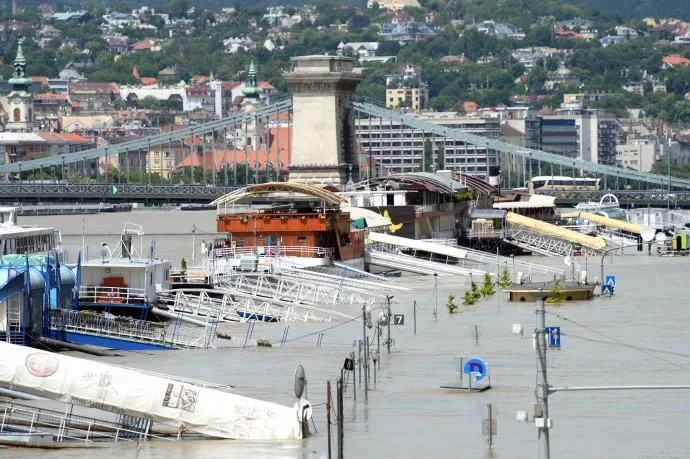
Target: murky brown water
407	415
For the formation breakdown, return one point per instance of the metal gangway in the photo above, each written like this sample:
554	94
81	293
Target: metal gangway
298	290
398	260
348	282
172	334
542	244
231	306
490	259
66	427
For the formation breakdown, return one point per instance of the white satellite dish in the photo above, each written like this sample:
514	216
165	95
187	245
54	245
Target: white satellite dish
647	233
567	261
300	381
661	237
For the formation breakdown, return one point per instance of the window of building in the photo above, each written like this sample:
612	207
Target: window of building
156	154
17	115
239	242
302	239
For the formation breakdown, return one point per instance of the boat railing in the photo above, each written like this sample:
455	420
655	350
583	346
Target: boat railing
99	294
274	250
170	334
68	427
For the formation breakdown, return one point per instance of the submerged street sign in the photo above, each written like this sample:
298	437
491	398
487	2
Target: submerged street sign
554	336
610	280
475	366
607	289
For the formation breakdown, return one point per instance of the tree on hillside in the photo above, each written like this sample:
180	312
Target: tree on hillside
440	158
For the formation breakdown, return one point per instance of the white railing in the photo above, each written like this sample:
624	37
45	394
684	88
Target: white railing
111	295
64	426
131	329
272	250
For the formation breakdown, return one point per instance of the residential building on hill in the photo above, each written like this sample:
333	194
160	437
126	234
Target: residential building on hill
497	29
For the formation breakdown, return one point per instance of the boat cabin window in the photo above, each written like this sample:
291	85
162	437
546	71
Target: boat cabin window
538	183
240	242
302	239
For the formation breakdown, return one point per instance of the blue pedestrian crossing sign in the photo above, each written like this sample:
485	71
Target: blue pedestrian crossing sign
607	289
610	280
554	336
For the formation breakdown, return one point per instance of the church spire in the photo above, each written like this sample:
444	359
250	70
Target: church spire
19	81
252	91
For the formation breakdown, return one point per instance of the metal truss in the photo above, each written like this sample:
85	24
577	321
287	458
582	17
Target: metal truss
230	306
298	290
543	244
594	195
518	150
145	143
344	281
123	189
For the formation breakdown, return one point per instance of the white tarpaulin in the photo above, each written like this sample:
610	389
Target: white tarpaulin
86	383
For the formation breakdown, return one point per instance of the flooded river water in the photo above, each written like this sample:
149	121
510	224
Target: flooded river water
407	414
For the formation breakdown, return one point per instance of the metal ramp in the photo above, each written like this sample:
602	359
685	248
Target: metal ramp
343	281
542	244
65	427
140	331
298	290
413	264
490	259
230	306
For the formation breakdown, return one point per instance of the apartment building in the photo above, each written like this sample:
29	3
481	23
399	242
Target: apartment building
397	148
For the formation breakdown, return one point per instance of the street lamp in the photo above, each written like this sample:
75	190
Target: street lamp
647	234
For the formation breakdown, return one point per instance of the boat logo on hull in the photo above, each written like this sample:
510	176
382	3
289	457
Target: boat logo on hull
41	365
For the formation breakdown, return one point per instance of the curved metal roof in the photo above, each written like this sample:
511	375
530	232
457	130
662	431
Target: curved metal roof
280	187
429	183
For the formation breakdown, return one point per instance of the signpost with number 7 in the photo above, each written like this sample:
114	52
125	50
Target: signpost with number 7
398	319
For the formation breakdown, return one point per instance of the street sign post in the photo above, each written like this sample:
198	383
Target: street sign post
489	423
610	280
398	319
607	289
554	336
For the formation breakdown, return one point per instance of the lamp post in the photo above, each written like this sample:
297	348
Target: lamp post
647	234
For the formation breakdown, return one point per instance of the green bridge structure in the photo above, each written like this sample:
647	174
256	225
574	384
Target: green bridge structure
517	162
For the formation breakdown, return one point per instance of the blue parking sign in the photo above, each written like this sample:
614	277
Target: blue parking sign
554	336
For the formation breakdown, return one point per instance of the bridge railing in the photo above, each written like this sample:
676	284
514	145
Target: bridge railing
103	189
625	195
145	143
